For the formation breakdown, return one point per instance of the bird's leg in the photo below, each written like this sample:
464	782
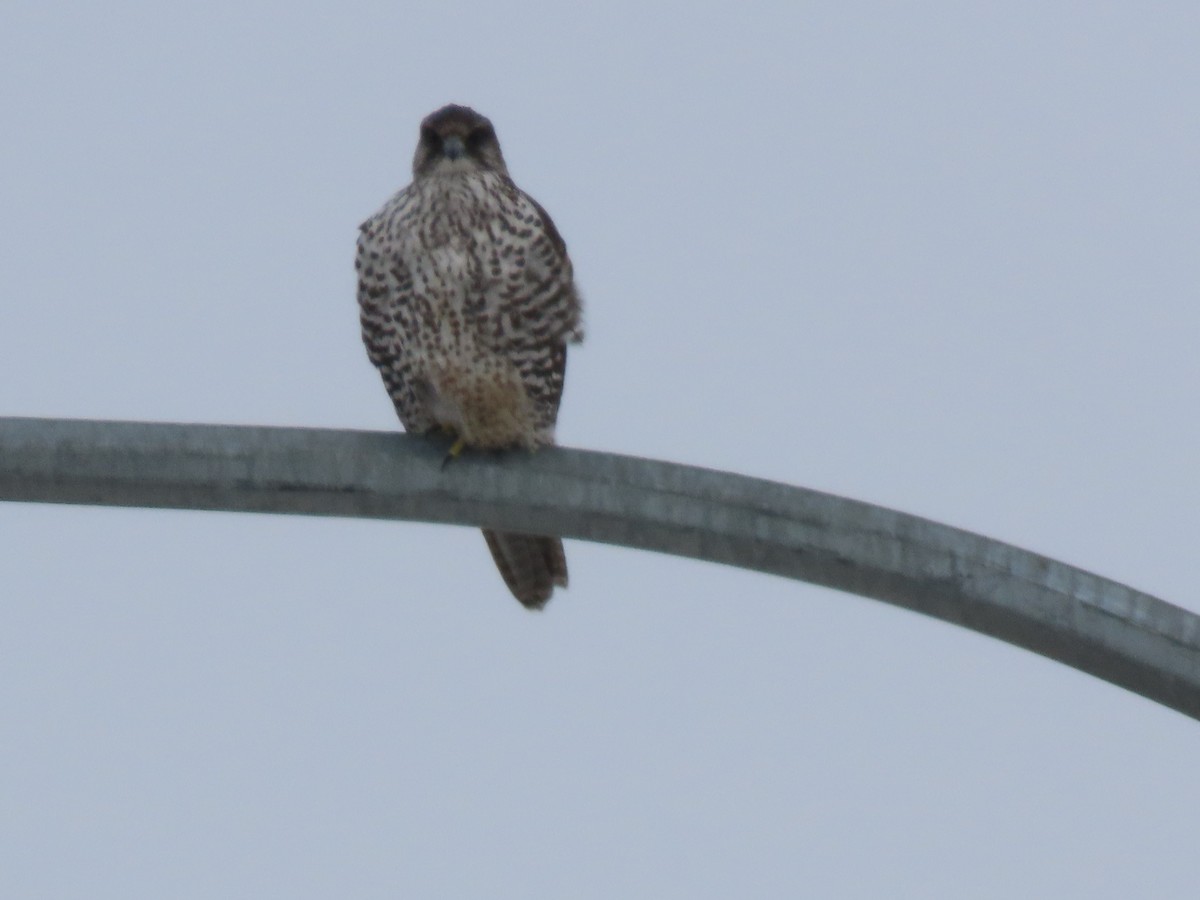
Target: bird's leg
454	452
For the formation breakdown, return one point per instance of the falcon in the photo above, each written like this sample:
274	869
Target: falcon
467	300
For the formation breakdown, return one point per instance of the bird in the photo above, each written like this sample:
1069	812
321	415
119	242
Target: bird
467	301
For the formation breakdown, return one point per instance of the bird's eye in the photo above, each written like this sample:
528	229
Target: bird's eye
479	136
431	137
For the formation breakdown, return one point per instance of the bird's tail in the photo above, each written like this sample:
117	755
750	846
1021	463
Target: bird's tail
531	564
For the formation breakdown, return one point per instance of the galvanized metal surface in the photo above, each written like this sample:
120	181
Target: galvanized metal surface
1098	626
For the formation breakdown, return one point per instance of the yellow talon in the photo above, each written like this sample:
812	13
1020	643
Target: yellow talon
454	452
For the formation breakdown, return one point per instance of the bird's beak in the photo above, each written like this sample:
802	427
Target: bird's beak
452	147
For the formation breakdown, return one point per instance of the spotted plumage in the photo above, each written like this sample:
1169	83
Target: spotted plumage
468	301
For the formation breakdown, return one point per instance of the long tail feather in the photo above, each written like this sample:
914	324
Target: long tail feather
532	565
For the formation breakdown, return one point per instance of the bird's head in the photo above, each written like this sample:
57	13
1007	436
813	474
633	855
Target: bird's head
456	140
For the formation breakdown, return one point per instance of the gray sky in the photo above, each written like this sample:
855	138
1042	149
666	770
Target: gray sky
938	256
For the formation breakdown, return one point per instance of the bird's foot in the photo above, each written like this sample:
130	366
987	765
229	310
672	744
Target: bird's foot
454	452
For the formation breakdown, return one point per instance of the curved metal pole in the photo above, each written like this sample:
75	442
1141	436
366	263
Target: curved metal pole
1098	626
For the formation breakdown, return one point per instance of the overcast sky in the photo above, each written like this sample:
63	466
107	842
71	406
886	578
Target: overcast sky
939	256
